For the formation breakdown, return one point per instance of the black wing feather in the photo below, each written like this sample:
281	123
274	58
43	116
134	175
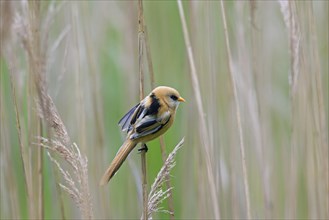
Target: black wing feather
137	114
143	119
125	121
148	127
145	125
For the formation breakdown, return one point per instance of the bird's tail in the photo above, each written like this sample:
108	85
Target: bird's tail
121	156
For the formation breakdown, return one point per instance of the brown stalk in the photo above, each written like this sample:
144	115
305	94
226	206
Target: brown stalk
33	120
149	57
141	96
319	112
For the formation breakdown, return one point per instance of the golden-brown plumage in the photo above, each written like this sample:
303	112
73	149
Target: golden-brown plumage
149	119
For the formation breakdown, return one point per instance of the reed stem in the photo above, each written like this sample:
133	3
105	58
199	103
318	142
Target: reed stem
141	95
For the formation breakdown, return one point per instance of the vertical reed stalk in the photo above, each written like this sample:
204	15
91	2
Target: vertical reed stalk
35	21
141	96
40	176
320	113
290	19
238	115
257	55
149	57
22	147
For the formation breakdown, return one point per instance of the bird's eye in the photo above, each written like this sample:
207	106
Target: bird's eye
173	97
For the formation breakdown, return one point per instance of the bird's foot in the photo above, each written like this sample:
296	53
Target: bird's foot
143	148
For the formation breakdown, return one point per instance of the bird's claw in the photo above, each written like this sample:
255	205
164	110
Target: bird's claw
143	148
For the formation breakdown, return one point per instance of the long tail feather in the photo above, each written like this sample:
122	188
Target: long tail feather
121	156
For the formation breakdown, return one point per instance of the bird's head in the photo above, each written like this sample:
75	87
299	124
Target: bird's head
169	95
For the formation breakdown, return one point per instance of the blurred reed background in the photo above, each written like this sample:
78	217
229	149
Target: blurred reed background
275	78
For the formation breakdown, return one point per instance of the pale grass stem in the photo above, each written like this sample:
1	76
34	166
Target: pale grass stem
290	19
27	179
203	128
40	176
256	61
238	114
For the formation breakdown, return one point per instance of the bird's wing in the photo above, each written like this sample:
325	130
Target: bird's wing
124	122
149	124
139	113
134	114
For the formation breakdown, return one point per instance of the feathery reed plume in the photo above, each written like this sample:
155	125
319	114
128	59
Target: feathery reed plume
157	195
77	181
168	182
60	143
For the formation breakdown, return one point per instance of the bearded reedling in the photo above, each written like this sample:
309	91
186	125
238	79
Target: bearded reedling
149	119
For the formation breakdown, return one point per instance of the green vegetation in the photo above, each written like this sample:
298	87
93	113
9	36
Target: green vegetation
84	54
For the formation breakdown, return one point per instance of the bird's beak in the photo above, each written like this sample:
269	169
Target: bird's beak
180	99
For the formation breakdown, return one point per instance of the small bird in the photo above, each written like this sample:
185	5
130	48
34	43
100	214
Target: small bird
149	119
